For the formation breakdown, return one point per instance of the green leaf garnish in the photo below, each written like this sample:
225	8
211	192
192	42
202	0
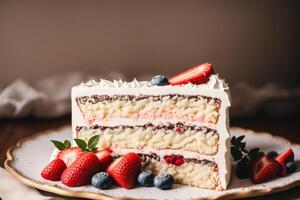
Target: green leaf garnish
236	153
81	144
239	139
243	156
242	145
238	149
59	145
254	153
233	140
94	150
67	144
93	141
90	147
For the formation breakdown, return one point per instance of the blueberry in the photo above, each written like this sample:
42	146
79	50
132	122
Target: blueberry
291	167
102	180
272	154
159	80
146	178
164	181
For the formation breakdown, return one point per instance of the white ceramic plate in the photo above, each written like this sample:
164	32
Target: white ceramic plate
27	159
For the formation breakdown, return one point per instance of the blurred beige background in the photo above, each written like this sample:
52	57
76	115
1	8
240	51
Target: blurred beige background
252	41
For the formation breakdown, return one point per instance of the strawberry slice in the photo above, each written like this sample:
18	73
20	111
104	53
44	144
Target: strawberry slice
197	75
81	171
263	169
54	170
105	158
125	170
70	155
285	157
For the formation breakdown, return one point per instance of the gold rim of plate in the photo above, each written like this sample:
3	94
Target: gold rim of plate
90	195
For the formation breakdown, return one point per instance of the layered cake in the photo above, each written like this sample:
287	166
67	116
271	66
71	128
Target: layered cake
179	126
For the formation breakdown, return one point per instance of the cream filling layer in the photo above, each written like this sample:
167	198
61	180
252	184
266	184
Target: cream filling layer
204	141
188	109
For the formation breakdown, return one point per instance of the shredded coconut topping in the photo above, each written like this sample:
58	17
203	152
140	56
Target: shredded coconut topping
215	82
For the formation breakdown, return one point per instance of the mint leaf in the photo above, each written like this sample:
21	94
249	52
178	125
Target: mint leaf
244	150
236	153
81	144
59	145
67	144
93	141
240	138
242	156
241	145
254	153
233	140
94	150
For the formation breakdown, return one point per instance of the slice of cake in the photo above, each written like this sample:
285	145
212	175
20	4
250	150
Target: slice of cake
181	128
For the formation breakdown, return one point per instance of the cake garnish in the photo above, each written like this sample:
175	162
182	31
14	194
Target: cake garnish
54	170
243	156
159	80
102	180
272	154
287	156
197	75
283	159
90	146
263	169
164	181
146	178
61	145
81	171
291	167
70	155
105	158
125	170
258	166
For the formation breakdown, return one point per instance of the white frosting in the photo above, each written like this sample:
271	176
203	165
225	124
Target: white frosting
215	87
215	82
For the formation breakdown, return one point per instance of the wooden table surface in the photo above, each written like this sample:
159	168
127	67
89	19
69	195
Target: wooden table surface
13	130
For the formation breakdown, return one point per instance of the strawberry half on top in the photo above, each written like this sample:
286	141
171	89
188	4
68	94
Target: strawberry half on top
125	170
197	75
263	169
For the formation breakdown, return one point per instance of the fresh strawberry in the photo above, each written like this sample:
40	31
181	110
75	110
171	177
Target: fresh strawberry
285	157
81	171
125	170
54	170
70	155
263	169
105	158
197	75
283	170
